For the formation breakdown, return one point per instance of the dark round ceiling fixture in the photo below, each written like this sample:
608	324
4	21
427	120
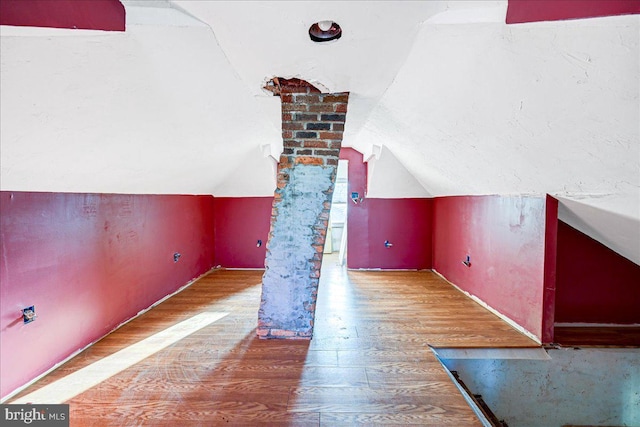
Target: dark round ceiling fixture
325	31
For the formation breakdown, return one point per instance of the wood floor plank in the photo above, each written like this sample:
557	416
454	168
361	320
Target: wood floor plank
435	417
383	400
196	413
369	363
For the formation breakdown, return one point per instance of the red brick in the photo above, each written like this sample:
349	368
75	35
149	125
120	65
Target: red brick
321	108
308	160
292	143
306	134
316	144
331	135
321	229
307	99
338	126
293	126
340	108
296	90
318	126
319	240
332	162
332	153
337	97
285	162
333	118
295	84
305	117
295	107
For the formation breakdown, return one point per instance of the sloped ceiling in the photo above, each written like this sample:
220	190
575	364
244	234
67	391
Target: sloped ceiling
463	102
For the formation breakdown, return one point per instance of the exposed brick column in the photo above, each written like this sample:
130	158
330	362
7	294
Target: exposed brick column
312	128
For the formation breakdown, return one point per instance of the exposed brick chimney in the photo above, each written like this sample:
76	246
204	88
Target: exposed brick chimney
312	128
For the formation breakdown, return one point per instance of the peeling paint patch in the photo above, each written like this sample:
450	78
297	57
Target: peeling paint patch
294	250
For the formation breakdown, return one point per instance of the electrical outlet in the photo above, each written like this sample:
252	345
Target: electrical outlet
29	314
467	261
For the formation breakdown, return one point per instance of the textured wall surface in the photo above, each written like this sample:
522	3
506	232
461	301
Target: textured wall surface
312	127
505	239
240	222
89	262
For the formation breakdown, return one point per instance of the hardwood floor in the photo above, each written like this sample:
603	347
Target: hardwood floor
369	362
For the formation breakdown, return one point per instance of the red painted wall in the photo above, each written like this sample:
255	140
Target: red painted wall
594	283
357	215
88	262
550	269
505	238
240	223
519	11
107	15
406	223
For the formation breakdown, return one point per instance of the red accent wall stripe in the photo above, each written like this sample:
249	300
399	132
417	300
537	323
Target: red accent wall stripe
550	267
594	283
88	262
504	237
520	11
106	15
239	224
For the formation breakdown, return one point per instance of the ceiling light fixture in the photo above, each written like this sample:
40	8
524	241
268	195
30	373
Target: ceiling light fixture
324	31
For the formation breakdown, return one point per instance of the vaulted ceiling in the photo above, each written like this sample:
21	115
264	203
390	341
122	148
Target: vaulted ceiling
446	99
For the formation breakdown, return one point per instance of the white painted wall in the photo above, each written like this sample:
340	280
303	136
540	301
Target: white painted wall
552	107
389	179
535	108
156	109
264	39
